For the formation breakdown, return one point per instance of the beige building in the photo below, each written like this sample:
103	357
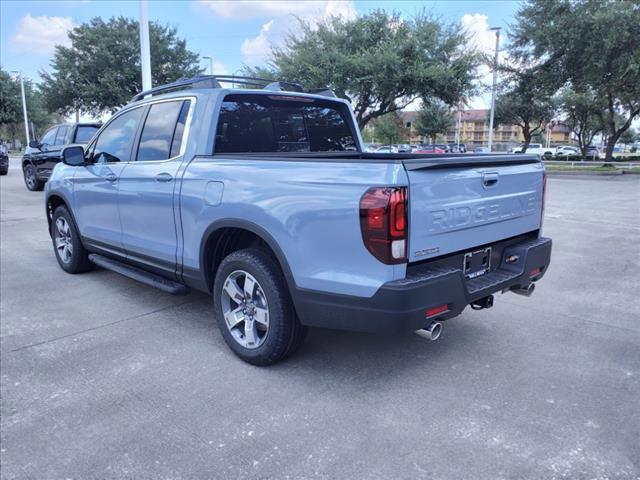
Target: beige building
474	130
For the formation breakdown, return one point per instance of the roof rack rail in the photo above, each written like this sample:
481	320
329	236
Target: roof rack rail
213	81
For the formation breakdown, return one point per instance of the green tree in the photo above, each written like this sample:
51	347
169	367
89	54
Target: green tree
100	71
525	100
589	43
389	129
583	114
380	62
434	118
11	114
629	137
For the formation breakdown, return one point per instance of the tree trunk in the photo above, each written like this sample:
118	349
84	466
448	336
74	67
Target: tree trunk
433	140
526	133
611	142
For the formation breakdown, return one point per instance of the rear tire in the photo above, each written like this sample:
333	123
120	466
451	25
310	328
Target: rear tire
67	246
31	179
250	287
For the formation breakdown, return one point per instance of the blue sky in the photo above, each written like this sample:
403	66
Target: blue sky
233	32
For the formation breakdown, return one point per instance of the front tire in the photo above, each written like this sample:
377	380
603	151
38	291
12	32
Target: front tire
254	310
70	253
31	178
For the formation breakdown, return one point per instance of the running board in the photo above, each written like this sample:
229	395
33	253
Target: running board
140	275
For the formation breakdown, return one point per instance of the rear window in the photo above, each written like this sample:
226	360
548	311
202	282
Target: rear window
272	123
84	133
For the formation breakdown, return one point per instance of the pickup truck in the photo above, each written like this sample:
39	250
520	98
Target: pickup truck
264	199
41	156
535	149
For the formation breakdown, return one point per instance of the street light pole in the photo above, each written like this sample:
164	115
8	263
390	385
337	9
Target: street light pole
145	55
210	65
493	88
24	107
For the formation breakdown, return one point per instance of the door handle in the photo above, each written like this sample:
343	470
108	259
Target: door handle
111	177
163	177
489	179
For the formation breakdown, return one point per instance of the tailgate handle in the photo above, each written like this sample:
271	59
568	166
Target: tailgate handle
490	179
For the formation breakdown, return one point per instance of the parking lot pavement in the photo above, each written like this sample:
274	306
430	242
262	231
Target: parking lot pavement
102	377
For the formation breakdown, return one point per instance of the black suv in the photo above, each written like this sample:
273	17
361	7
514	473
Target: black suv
41	156
4	159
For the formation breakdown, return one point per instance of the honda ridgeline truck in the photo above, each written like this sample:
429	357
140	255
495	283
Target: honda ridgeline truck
265	199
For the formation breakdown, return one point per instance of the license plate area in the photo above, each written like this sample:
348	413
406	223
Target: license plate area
477	263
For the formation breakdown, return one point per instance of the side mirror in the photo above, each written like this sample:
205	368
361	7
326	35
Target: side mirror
73	156
35	144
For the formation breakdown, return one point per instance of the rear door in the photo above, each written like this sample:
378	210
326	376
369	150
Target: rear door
458	208
147	187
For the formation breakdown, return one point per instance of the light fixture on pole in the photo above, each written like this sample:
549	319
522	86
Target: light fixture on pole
210	65
493	88
145	55
24	106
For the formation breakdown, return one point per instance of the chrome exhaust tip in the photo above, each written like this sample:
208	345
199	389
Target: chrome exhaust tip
432	332
526	291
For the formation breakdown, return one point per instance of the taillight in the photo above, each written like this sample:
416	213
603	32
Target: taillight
544	196
383	221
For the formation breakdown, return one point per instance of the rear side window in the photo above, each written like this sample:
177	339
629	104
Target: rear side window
162	132
272	123
61	136
84	133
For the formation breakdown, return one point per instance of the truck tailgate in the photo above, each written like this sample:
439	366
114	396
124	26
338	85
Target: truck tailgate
462	204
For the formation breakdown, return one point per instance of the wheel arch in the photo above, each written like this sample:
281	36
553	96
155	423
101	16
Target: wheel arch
226	236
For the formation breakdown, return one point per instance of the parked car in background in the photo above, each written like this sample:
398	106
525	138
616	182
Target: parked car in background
429	149
387	149
404	148
592	152
41	156
4	159
567	151
457	148
211	188
535	149
444	147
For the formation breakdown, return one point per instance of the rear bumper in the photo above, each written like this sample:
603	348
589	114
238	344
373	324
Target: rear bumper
401	305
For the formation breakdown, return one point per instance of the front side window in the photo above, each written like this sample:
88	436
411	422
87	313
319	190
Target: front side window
61	135
115	141
162	132
49	137
272	123
84	133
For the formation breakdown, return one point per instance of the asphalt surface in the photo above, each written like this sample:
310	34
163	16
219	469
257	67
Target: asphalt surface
102	377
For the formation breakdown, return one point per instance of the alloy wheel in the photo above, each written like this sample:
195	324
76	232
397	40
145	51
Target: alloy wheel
64	243
245	309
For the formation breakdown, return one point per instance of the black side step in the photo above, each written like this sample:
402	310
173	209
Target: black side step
140	275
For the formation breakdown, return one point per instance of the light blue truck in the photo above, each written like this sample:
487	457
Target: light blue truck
264	198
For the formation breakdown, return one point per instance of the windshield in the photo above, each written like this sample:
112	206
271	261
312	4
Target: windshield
278	123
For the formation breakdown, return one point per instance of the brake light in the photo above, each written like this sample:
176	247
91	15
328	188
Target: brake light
544	196
383	222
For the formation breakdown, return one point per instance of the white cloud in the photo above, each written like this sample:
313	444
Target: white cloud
277	8
256	50
483	40
39	35
219	68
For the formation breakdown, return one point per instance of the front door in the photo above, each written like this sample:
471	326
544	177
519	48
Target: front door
96	185
148	185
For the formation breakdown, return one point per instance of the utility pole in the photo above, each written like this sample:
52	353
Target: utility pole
145	55
24	106
458	125
493	88
210	65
